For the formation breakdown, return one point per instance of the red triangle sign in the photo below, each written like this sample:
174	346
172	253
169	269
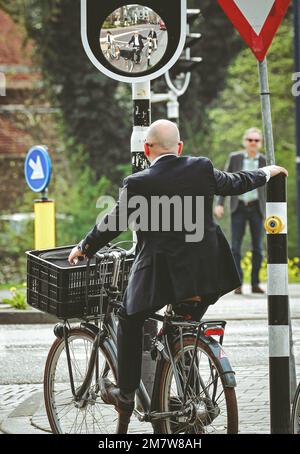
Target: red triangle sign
257	21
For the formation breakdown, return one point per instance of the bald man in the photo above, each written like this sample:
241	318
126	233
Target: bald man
170	267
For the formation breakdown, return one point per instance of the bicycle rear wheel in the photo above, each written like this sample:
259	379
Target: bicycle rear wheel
210	409
296	412
90	415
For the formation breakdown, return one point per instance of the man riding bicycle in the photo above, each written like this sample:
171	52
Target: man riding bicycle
137	43
171	266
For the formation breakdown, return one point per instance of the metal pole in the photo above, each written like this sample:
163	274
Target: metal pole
266	111
296	6
44	223
141	94
173	108
278	300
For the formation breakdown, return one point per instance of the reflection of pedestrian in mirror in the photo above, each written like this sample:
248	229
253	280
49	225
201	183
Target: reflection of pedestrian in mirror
109	39
110	45
137	42
153	36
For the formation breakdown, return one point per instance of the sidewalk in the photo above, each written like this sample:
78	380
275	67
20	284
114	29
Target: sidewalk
11	316
29	417
251	306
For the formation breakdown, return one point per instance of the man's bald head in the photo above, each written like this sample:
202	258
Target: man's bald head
165	135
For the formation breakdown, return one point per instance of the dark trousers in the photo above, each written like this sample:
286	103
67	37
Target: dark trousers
239	219
138	53
130	342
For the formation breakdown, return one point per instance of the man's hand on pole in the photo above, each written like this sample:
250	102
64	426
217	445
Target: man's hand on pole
276	170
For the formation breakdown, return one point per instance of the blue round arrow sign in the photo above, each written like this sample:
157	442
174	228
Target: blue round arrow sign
38	168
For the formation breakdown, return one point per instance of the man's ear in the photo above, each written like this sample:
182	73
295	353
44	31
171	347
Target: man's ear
146	150
180	147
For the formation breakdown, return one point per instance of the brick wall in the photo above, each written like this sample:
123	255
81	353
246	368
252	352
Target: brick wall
19	128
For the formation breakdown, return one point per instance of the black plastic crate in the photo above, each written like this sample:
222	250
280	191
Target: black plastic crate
57	288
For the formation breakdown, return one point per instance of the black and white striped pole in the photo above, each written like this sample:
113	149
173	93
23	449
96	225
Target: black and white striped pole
141	94
278	299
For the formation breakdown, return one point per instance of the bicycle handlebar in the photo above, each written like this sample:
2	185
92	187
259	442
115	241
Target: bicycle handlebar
116	251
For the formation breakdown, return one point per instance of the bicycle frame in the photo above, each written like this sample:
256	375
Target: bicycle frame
108	335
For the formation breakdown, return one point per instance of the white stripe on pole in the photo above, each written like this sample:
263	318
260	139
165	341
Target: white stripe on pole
141	90
277	279
279	341
277	209
137	139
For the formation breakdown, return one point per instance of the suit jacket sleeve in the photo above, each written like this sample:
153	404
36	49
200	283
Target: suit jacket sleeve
226	183
228	168
111	225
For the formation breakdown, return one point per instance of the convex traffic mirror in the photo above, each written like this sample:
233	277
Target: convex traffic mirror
133	42
133	38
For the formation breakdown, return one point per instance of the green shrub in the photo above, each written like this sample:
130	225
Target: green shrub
293	269
17	299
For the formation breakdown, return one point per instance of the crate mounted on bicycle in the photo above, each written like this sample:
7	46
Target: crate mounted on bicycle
58	288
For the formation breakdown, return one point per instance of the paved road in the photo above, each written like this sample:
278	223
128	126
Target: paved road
122	37
23	352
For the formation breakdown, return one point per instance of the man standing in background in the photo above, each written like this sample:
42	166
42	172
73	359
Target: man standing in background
247	207
153	36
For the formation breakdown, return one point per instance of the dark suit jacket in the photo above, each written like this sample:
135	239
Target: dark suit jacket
168	269
235	164
152	35
141	38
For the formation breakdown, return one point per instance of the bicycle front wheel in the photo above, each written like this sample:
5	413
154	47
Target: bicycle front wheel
129	66
65	414
296	412
210	407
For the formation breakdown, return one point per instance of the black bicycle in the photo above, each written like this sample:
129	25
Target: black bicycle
194	386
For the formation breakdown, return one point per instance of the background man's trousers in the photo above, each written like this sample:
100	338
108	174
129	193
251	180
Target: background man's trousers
239	219
130	342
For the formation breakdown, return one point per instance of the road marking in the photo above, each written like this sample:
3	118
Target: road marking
131	32
255	11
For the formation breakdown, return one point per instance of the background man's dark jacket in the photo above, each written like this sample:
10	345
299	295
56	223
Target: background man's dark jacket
152	35
141	38
235	164
167	268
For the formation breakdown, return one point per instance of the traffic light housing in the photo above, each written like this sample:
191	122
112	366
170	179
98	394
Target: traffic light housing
94	15
186	63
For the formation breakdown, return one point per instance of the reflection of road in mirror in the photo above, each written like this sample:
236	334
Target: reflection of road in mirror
135	44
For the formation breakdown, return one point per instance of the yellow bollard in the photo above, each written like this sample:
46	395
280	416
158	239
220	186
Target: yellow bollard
44	224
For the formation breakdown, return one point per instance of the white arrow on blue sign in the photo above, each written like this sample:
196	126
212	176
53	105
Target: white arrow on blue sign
38	168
